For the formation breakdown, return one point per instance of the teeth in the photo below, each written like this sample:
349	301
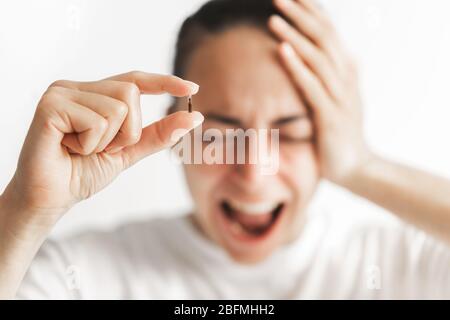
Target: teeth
259	208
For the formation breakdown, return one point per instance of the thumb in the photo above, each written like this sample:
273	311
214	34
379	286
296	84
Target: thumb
162	134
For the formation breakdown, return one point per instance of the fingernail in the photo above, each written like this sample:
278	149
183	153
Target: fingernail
194	87
198	118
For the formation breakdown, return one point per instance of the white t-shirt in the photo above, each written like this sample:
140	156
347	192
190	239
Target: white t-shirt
170	259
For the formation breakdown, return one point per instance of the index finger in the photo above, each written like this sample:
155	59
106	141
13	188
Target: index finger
151	83
318	28
314	7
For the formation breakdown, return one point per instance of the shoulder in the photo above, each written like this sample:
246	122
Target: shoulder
376	235
386	242
381	258
393	241
398	239
405	257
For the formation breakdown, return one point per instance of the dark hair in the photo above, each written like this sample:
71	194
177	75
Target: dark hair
214	17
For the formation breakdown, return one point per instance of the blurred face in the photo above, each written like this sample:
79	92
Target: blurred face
243	85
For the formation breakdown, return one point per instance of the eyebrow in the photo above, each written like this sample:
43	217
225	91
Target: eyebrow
222	118
236	122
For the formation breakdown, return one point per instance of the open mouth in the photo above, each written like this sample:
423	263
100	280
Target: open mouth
254	220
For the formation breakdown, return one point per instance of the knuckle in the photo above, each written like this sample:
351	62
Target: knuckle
56	91
134	137
58	83
120	110
49	99
167	80
131	137
172	77
135	73
101	124
133	89
128	91
45	113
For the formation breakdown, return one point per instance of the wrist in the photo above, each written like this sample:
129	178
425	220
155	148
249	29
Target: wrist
362	174
24	222
19	242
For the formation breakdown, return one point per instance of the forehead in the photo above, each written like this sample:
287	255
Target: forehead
240	74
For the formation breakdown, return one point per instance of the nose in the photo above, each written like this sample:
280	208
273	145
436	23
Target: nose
252	170
250	174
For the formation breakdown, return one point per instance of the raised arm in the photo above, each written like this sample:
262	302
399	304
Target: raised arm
327	78
83	135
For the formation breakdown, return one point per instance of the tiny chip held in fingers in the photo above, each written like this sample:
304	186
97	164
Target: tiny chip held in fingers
190	104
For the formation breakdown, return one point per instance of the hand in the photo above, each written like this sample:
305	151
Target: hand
327	79
84	134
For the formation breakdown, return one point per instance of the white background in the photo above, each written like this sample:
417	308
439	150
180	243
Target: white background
403	47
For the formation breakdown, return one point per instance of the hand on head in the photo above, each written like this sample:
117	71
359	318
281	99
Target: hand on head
327	78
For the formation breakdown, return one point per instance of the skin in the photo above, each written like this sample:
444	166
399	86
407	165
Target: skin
256	93
306	72
84	134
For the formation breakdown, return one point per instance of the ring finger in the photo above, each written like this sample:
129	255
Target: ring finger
113	110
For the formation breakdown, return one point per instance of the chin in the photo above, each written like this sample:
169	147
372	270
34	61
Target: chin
252	257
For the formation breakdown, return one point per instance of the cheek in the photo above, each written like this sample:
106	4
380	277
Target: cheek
299	165
202	180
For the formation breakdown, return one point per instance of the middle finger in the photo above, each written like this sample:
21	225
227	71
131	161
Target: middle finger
313	57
